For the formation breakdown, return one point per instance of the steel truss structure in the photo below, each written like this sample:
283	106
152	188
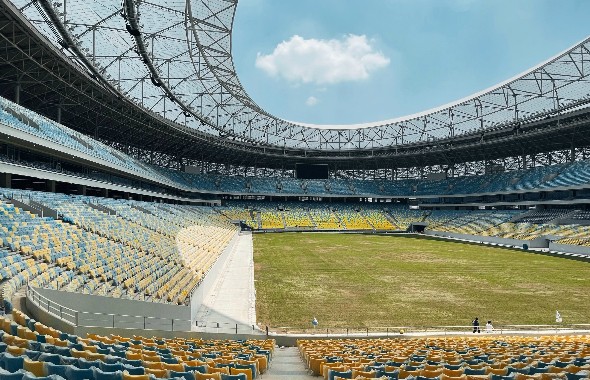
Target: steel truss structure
156	79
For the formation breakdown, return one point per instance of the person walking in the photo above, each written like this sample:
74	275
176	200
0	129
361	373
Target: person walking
558	317
475	324
489	327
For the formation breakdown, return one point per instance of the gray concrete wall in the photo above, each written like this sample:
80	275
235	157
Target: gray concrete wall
570	248
536	243
123	313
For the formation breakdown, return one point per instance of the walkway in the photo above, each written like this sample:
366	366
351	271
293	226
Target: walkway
232	298
286	364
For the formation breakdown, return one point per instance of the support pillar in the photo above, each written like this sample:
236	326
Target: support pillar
81	189
105	193
573	153
17	90
6	180
50	186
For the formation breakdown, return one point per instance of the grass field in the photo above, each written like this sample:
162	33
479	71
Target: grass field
378	281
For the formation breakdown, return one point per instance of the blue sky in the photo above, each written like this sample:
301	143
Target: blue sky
355	61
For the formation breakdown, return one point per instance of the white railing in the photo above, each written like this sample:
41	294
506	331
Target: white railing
394	331
64	313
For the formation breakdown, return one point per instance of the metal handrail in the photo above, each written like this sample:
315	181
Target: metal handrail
444	330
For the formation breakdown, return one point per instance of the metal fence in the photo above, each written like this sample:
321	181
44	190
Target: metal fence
396	331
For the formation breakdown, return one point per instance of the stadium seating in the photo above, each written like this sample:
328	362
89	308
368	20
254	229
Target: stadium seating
466	358
472	223
20	118
352	219
312	215
404	216
271	219
379	220
325	219
297	216
237	212
534	179
544	216
141	250
32	349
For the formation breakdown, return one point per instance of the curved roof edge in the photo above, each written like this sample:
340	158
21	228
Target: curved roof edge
447	105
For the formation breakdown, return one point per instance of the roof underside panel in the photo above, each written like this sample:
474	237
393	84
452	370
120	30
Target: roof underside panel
173	58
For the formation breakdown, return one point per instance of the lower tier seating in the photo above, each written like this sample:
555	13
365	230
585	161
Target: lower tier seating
450	358
29	349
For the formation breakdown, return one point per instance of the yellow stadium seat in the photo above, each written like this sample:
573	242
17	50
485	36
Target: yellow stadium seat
35	367
246	371
207	376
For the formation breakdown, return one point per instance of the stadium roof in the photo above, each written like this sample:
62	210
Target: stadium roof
174	58
119	73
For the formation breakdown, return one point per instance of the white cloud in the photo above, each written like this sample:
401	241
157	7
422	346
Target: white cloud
301	60
312	101
461	5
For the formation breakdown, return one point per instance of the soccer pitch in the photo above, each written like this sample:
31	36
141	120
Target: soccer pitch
357	281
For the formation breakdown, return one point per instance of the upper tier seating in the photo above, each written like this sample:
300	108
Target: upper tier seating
544	216
16	117
20	118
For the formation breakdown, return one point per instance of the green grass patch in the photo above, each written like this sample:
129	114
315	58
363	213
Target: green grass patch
378	281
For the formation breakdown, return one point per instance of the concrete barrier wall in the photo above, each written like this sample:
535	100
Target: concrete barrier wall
570	248
118	312
536	243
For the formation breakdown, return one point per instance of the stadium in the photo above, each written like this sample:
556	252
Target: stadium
156	222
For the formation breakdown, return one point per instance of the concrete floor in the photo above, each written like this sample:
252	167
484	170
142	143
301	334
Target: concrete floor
287	364
232	299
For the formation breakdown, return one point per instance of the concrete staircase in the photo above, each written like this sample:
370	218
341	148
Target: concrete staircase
102	208
315	225
34	207
362	213
287	364
142	209
342	225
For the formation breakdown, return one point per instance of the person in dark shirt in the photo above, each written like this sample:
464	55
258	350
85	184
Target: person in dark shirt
475	324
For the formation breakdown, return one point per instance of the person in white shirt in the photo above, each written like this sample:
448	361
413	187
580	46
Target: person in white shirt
557	317
489	327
